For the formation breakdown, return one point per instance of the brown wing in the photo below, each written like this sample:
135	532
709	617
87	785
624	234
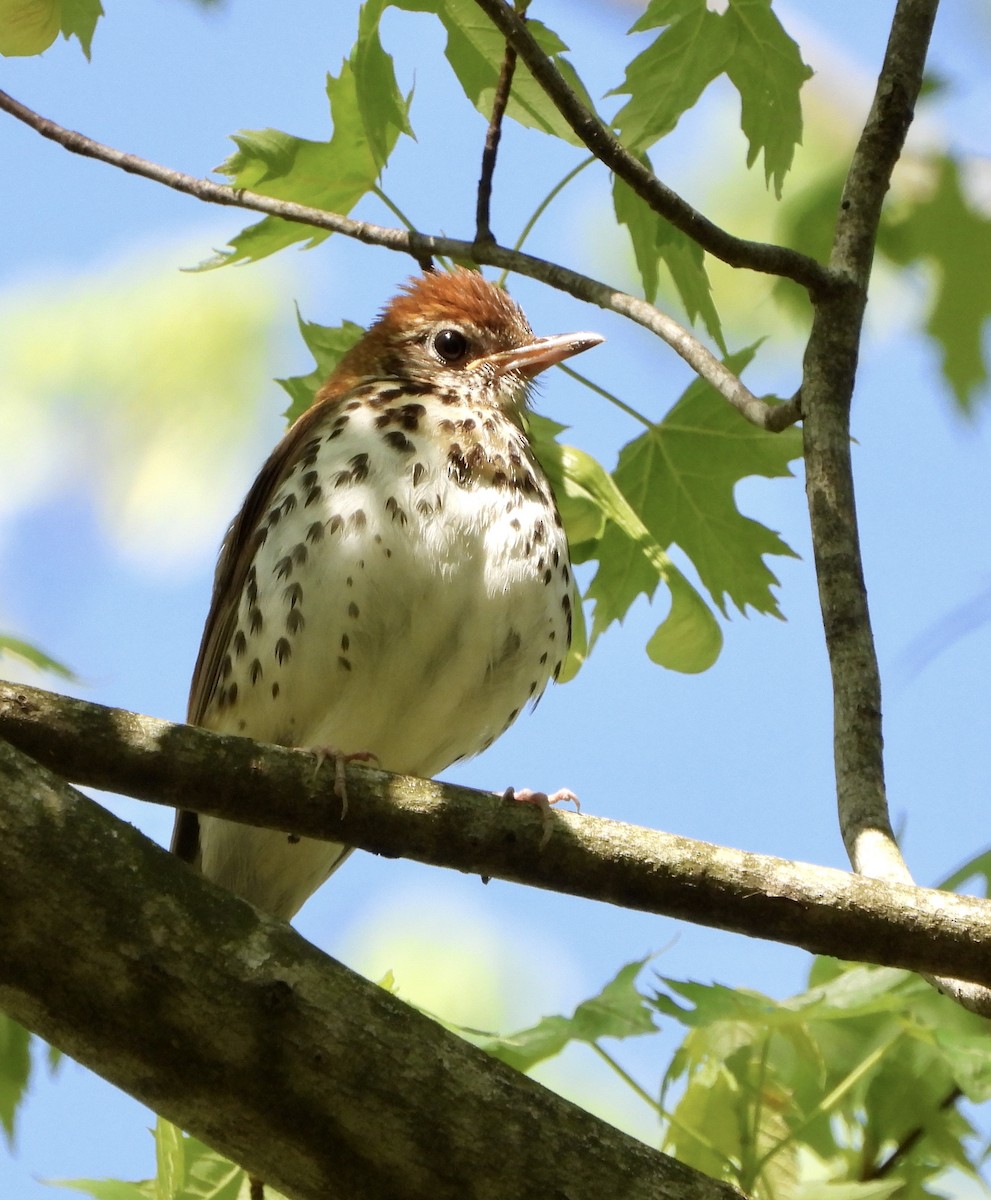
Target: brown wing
236	555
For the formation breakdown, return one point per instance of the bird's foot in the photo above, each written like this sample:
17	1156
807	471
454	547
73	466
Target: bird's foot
323	753
544	802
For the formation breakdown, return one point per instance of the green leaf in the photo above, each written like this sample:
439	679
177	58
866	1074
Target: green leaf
331	175
16	648
667	78
15	1071
946	231
630	560
749	45
475	49
187	1170
975	868
383	108
618	1011
766	68
28	26
79	18
679	478
328	344
170	1160
109	1189
656	240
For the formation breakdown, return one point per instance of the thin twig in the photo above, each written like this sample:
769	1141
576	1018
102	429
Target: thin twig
737	252
483	208
422	247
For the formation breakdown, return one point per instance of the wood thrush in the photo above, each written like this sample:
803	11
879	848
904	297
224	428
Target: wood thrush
397	583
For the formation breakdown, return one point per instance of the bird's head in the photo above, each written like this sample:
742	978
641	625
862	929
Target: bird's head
456	332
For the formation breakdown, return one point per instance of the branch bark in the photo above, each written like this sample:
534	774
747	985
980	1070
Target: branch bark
237	1029
827	394
819	909
608	149
424	247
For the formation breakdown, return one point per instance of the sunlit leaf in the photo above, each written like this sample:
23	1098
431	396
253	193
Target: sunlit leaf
28	26
946	231
368	114
680	476
16	648
618	1011
656	241
766	68
328	344
15	1071
695	46
475	49
79	18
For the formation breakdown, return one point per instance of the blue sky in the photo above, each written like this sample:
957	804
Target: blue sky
740	755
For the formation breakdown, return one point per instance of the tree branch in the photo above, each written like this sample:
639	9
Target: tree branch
821	910
422	247
827	392
234	1027
483	213
603	143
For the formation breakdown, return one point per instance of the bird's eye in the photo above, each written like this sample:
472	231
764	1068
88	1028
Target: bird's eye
450	344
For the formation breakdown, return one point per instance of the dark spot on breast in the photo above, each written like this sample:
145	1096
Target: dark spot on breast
283	650
232	693
515	524
499	479
345	643
424	508
345	663
255	620
261	536
357	520
299	554
445	426
557	670
255	671
283	568
392	507
418	472
293	594
352	610
312	496
226	667
359	467
533	687
538	531
275	691
556	557
335	523
294	621
240	643
457	465
543	658
548	575
289	504
399	442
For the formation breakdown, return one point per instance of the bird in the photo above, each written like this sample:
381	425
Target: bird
397	584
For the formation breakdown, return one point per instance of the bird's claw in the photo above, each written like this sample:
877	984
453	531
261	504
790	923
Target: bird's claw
341	760
544	802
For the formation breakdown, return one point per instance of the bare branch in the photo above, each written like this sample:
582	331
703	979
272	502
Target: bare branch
819	909
483	213
737	252
827	392
230	1024
423	247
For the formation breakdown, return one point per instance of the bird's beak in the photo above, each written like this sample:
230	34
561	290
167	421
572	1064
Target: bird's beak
531	359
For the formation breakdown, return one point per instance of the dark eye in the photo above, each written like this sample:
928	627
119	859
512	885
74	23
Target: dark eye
450	344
